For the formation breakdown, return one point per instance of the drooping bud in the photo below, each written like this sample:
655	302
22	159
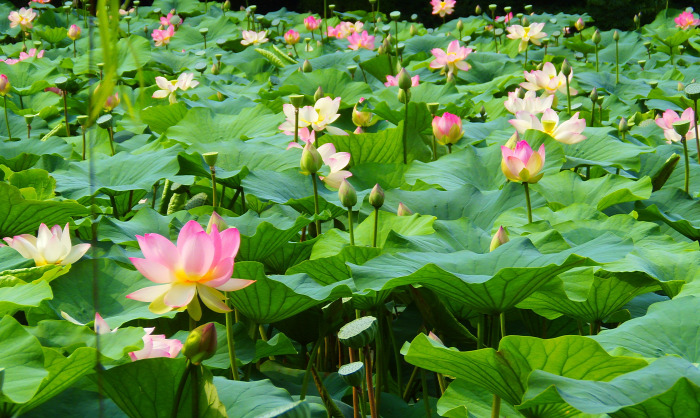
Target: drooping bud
403	210
200	344
306	67
566	68
297	100
210	158
681	127
404	79
376	196
319	94
347	194
596	38
311	160
217	220
580	24
500	238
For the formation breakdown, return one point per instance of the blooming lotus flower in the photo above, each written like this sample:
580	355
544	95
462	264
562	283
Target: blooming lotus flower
394	81
4	85
74	32
530	103
167	20
169	87
548	80
23	18
40	1
319	116
123	12
568	132
344	29
49	246
532	33
251	37
156	346
447	128
305	134
163	37
443	8
362	119
312	23
358	41
452	58
686	20
335	161
667	120
200	264
291	37
522	164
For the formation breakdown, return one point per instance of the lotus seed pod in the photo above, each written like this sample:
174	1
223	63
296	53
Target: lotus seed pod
297	100
500	238
493	7
200	199
28	119
105	121
200	344
204	31
692	90
681	127
395	15
347	194
433	108
376	196
353	374
210	158
359	333
507	9
528	8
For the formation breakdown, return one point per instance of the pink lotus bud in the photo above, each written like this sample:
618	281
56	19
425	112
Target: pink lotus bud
500	238
447	128
291	37
74	32
4	85
403	210
201	343
522	164
111	102
579	25
312	23
218	221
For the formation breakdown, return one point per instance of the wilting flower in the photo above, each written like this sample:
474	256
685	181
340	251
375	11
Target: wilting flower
291	37
686	20
452	58
156	346
345	29
532	33
443	8
169	87
312	23
4	85
548	80
251	37
74	32
163	37
358	41
447	128
23	18
49	246
394	81
530	103
522	164
667	120
200	263
362	118
319	116
568	132
167	20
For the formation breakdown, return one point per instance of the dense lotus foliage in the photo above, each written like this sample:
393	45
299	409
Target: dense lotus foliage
213	212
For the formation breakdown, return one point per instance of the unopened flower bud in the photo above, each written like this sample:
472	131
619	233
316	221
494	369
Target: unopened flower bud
477	10
404	96
636	19
362	118
311	160
215	69
347	194
226	6
525	21
200	344
500	238
319	94
4	85
623	126
460	25
566	68
413	31
596	38
404	79
74	32
306	67
580	24
403	210
376	196
616	36
594	95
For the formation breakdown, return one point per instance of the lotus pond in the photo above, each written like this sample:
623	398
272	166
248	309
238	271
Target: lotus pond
212	212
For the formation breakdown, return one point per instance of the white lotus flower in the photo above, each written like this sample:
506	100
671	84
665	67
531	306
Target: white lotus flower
530	103
169	87
319	116
51	246
568	132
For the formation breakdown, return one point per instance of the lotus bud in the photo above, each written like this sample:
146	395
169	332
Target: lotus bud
74	32
623	126
525	21
403	210
482	111
210	158
200	344
395	15
226	6
460	25
376	196
433	108
681	127
4	85
306	67
362	118
215	69
217	220
381	50
111	102
580	24
404	96
596	38
319	94
680	87
297	100
386	44
477	10
528	8
500	238
347	194
616	36
594	95
566	68
311	160
404	79
636	19
413	31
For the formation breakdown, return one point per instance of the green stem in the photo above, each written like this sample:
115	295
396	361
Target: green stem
527	200
7	120
244	207
593	115
496	407
434	147
370	388
497	324
352	232
426	397
213	186
597	66
231	342
296	125
568	95
480	328
687	164
155	192
503	324
397	352
412	378
85	145
380	361
617	62
404	131
115	210
376	227
449	148
195	391
527	46
307	374
318	222
697	137
180	389
111	139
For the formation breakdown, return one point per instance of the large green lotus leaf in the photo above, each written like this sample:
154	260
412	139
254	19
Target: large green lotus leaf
329	270
258	399
505	372
489	283
144	221
626	89
652	163
35	184
188	36
120	173
194	165
151	389
27	77
603	149
184	7
449	236
22	359
568	187
288	255
660	389
23	296
160	118
464	400
675	208
254	155
23	154
132	53
384	147
333	82
630	47
668	328
63	372
332	242
22	216
274	298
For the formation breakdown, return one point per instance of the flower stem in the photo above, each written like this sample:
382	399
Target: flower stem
180	389
318	222
307	374
213	186
568	96
527	200
687	164
617	62
480	331
404	132
111	139
527	46
593	114
352	232
370	388
498	324
376	227
597	65
296	124
449	148
426	397
231	342
195	391
7	120
697	137
85	144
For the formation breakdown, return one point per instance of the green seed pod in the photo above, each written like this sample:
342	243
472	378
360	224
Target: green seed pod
395	15
210	158
681	127
433	108
359	333
493	7
203	31
105	121
177	202
692	90
61	82
507	9
28	119
528	8
353	374
200	199
347	194
376	196
297	100
200	344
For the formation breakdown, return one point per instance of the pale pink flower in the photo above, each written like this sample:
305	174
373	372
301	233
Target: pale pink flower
319	116
25	55
358	41
251	37
530	103
200	264
305	134
686	20
443	8
344	29
335	161
447	128
100	326
532	33
111	102
23	18
666	121
5	87
394	81
291	37
163	37
453	58
156	346
168	87
49	246
312	23
548	80
568	132
123	12
74	32
167	20
522	164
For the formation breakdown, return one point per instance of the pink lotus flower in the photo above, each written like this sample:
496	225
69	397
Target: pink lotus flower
163	37
666	121
506	19
167	20
251	37
548	80
522	164
344	29
25	55
443	8
111	102
447	128
305	134
530	103
168	88
200	263
156	346
568	132
49	246
74	32
312	23
686	20
394	81
23	18
319	116
358	41
291	37
452	59
580	24
40	1
532	33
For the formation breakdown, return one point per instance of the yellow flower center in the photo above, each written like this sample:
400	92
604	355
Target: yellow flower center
442	4
527	32
548	126
182	277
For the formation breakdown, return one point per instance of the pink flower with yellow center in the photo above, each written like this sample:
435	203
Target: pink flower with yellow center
686	20
312	23
522	164
530	103
291	37
163	37
23	18
548	80
568	132
394	81
532	33
358	41
200	263
49	246
667	120
167	20
451	59
155	346
251	37
344	29
447	128
443	8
